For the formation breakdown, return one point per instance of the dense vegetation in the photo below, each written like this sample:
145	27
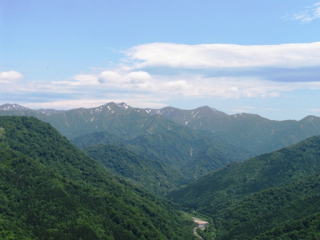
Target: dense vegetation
273	196
305	229
183	154
177	156
251	198
51	190
152	175
187	144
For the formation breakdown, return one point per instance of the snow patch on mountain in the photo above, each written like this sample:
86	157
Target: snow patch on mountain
12	107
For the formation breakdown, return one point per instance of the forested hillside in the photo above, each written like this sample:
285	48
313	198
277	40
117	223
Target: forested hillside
270	195
178	155
260	195
51	190
152	175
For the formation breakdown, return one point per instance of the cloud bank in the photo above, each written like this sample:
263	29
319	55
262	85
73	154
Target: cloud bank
157	73
225	55
137	75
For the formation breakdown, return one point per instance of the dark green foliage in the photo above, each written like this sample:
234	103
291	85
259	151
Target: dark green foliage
50	190
250	198
97	138
269	194
191	153
178	156
261	211
150	174
305	229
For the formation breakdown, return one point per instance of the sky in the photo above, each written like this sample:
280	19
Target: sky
236	56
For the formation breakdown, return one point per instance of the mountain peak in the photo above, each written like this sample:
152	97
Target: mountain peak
123	105
205	109
112	107
310	118
12	107
247	116
169	108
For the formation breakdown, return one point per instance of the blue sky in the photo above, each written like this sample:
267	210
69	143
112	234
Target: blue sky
237	56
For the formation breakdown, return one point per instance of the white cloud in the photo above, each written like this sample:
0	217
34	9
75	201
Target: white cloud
116	78
163	88
123	79
79	80
139	76
194	85
309	14
110	76
7	77
138	85
85	79
224	55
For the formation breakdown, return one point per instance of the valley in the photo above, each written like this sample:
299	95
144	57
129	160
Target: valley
200	225
148	164
179	152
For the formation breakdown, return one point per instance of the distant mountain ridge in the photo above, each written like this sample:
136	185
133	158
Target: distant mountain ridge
251	132
187	144
183	153
12	107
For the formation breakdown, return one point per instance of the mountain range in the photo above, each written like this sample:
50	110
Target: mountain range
182	154
180	145
251	132
207	162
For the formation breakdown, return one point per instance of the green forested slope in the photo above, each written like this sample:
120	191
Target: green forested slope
267	209
307	228
50	190
250	198
178	155
152	175
192	153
